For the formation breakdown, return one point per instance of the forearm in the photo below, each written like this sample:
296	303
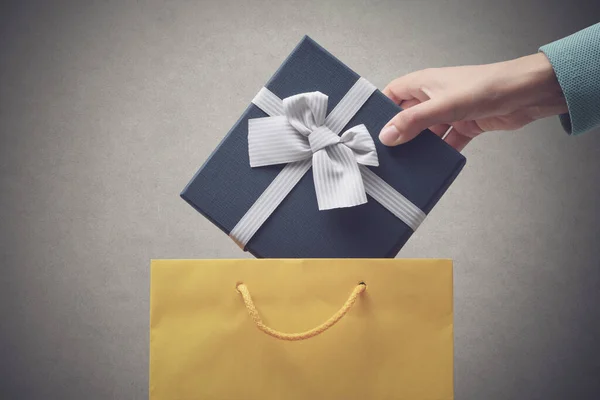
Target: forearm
530	85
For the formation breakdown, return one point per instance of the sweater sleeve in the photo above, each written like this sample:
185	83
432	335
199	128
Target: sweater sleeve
576	63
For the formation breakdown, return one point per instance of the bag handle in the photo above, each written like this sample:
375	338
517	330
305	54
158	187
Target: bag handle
243	290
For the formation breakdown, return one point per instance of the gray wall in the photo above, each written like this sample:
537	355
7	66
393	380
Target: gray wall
107	108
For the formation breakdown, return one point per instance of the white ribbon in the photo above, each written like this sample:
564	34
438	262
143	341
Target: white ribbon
299	134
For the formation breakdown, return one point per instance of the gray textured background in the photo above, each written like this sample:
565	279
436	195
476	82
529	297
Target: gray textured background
107	108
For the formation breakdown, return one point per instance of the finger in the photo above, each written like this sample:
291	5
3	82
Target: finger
468	128
410	122
409	103
456	140
439	129
405	88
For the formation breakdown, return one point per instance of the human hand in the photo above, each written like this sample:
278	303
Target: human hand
473	99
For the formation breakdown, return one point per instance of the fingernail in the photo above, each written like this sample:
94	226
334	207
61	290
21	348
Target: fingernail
389	135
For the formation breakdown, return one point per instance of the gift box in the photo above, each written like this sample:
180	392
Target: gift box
311	193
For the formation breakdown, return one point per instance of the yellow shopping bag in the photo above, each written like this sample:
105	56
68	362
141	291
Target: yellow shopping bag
301	329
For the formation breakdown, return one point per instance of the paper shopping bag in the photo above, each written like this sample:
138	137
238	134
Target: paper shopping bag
301	329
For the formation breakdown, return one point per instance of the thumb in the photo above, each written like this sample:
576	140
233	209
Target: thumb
407	124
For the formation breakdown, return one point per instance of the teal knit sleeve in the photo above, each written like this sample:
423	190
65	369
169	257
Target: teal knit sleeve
576	63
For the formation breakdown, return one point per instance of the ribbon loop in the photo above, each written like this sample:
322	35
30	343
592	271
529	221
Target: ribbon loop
306	111
273	140
358	139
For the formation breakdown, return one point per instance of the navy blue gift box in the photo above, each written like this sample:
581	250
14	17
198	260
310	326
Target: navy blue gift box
226	186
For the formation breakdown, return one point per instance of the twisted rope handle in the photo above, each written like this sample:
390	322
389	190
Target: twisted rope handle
243	290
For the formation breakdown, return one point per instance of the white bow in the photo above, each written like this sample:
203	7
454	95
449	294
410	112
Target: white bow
303	132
